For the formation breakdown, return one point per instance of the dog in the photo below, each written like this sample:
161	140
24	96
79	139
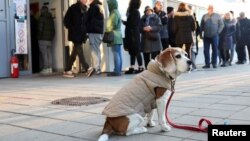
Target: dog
146	93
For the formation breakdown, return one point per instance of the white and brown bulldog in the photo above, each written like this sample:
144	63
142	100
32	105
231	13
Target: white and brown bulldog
147	92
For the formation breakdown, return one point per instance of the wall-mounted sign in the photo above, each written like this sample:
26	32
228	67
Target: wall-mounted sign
21	36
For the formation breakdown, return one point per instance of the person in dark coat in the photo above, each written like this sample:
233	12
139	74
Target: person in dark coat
150	27
226	39
171	35
75	21
164	21
46	33
183	26
242	38
132	36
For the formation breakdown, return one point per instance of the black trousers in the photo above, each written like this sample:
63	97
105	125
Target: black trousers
241	50
148	56
133	58
164	42
77	50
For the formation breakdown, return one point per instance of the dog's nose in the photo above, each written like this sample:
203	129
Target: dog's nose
189	62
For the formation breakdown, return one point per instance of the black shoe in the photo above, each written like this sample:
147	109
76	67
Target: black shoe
239	62
114	74
139	70
206	67
214	66
130	71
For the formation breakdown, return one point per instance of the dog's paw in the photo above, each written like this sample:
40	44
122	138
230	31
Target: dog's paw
151	124
165	128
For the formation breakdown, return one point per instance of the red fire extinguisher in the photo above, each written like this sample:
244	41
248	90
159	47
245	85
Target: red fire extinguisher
14	64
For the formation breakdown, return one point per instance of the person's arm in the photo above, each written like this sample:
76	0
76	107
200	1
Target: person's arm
220	24
157	27
67	18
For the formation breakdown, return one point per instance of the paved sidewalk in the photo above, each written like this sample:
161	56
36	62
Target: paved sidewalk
26	112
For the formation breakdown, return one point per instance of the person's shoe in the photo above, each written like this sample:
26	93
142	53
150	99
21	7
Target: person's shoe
214	66
206	67
68	74
114	74
98	72
239	62
130	71
90	71
50	70
45	71
139	70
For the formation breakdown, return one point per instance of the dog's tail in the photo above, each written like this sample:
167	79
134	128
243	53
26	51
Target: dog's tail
107	130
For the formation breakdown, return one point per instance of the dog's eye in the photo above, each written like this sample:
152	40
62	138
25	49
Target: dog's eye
178	56
186	55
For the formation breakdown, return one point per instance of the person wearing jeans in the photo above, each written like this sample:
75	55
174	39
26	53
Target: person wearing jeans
95	28
117	54
211	25
114	25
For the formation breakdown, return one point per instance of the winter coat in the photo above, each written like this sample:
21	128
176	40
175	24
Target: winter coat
75	21
46	27
95	22
132	32
164	21
114	22
138	96
183	26
151	41
171	35
211	25
243	30
226	36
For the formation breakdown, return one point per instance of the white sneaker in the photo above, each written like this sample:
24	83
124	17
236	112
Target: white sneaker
50	70
44	71
68	74
98	72
90	71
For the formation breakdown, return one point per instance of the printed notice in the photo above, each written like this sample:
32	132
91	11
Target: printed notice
21	36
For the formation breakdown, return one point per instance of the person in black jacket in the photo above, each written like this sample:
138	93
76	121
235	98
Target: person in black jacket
183	26
75	21
95	29
164	21
132	36
242	38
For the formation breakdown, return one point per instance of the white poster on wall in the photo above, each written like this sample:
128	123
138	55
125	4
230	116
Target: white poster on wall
21	36
20	9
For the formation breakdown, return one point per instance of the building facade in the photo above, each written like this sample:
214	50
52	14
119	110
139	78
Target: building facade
15	26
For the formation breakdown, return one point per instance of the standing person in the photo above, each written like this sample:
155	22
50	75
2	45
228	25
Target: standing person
46	33
114	24
183	27
232	50
242	38
158	9
95	29
211	25
226	39
132	36
171	35
75	21
150	27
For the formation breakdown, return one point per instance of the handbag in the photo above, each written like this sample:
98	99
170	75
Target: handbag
108	37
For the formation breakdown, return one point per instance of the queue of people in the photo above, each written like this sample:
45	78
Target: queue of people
149	34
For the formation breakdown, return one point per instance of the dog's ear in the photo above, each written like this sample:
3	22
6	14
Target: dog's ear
166	61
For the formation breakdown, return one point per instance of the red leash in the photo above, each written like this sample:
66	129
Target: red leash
192	128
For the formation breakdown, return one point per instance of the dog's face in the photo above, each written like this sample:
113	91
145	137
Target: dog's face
174	61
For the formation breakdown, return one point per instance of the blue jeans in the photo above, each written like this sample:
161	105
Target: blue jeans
117	55
214	41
